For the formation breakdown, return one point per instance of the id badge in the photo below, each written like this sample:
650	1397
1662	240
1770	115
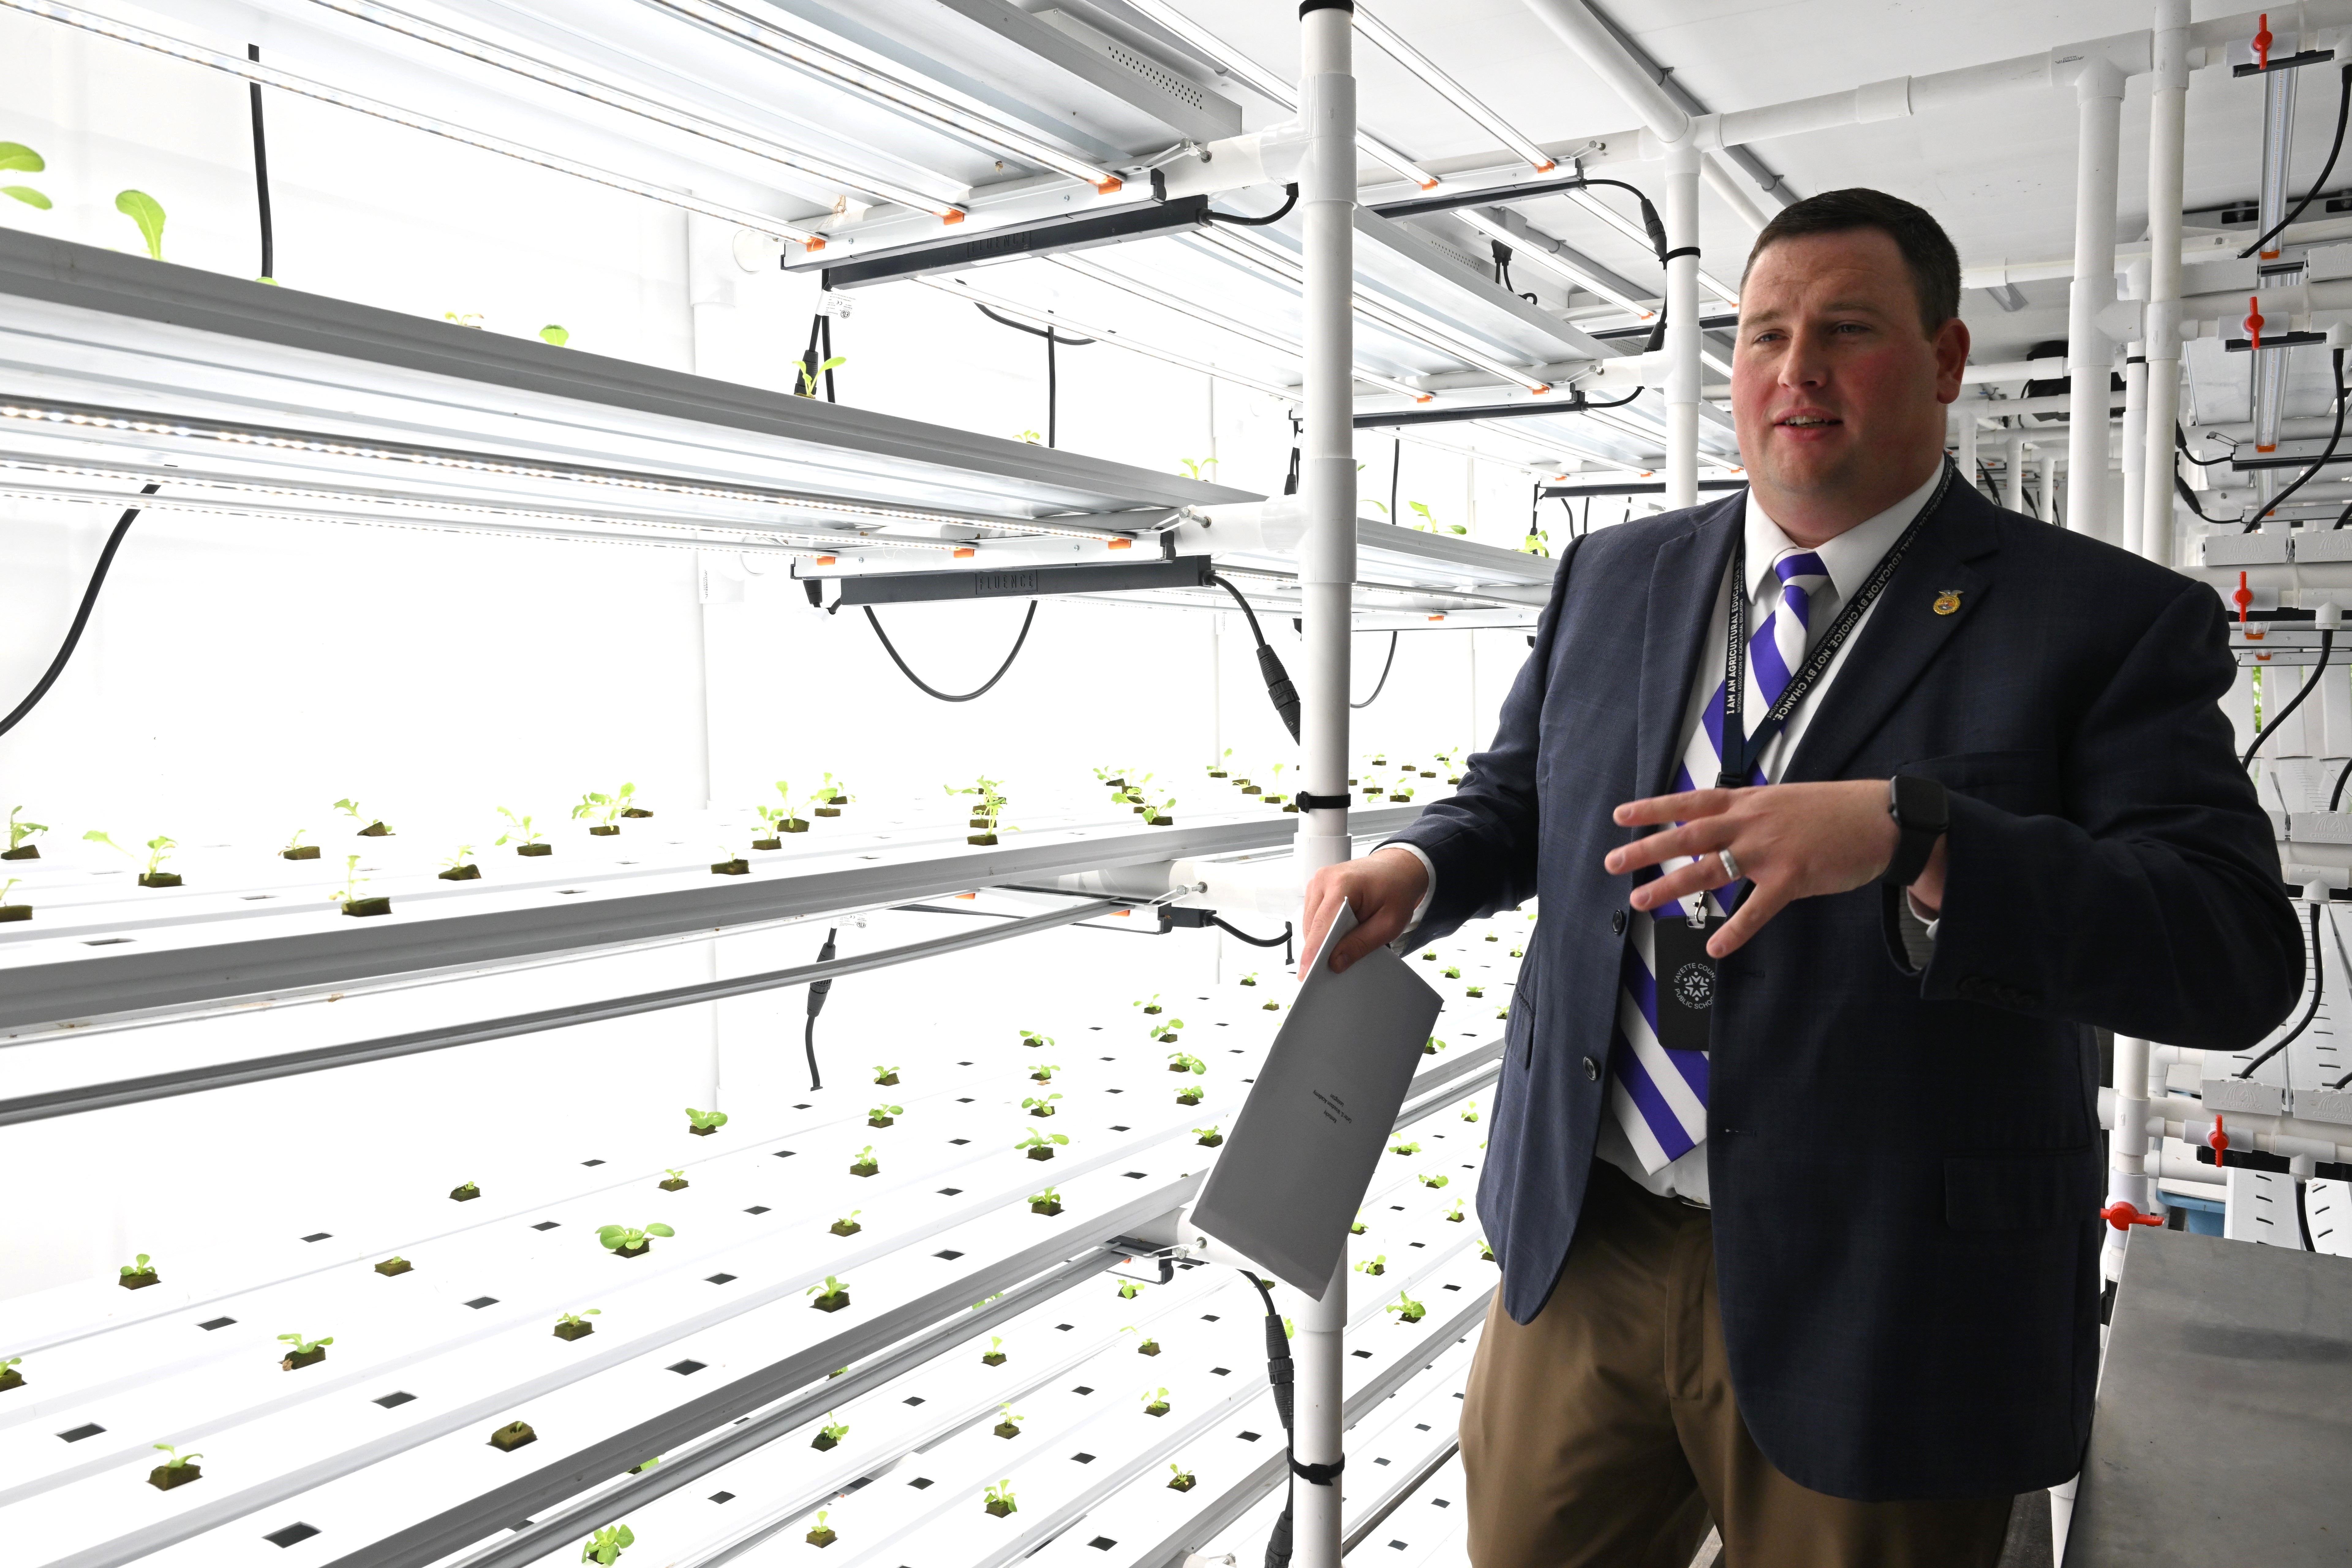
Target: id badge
1686	981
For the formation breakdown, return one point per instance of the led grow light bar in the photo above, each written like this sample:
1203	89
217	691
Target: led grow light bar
645	108
23	463
1285	268
1522	250
1452	91
75	419
1267	85
1202	313
271	76
771	34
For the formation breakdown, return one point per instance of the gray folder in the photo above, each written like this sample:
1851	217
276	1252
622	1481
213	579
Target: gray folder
1294	1170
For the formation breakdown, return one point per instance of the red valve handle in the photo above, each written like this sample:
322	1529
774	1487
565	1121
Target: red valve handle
2263	43
2243	598
2123	1216
2254	322
2218	1141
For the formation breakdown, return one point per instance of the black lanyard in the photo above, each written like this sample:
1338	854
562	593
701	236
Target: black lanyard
1741	751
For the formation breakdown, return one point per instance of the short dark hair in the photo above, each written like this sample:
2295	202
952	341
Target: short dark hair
1927	249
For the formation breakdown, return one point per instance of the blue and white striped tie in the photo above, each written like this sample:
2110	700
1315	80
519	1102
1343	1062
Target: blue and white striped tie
1660	1096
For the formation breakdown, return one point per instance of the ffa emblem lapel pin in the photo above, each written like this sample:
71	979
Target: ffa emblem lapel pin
1948	602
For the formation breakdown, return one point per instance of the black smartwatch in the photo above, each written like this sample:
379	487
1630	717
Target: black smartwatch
1922	813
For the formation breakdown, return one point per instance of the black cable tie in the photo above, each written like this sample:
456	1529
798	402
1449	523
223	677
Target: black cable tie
1679	250
1318	1475
1322	802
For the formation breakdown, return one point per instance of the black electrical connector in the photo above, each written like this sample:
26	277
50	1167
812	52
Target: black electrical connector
1174	917
1278	689
817	992
1279	1376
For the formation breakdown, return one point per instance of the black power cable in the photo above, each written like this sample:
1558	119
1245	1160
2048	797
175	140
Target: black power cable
2310	684
1385	665
1279	1376
813	357
818	991
1052	374
261	175
2343	108
2181	443
2318	969
1290	200
1278	689
930	691
2334	436
81	616
2181	488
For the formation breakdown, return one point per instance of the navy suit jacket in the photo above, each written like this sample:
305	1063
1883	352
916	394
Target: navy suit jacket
1906	1167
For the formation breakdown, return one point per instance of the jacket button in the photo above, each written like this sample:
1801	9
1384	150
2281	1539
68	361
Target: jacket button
1617	923
1592	1071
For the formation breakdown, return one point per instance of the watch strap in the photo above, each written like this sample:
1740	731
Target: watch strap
1922	815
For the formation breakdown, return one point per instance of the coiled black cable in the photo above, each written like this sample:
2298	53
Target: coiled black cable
2343	108
2334	436
2318	971
931	691
2180	444
2310	684
81	616
1290	200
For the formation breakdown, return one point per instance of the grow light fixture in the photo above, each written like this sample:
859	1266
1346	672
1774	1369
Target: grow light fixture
773	34
1522	250
285	82
1202	313
1452	91
1285	268
77	418
635	104
1271	86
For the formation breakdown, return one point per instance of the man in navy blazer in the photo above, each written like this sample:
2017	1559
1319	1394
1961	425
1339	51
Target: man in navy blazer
1841	1296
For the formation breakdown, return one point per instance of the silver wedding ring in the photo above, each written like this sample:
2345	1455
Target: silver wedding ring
1730	866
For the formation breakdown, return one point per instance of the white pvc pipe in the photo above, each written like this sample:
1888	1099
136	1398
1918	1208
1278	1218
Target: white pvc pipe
1327	571
1609	59
1683	366
2168	121
2127	1177
2012	485
2135	444
2099	99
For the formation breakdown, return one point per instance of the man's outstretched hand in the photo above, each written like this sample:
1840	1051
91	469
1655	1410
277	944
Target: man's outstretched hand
1384	888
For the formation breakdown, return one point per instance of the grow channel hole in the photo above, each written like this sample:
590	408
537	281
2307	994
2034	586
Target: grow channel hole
720	1279
722	1497
963	1099
1122	1129
479	1302
107	942
951	1254
784	1153
1221	1372
318	1235
950	1192
1102	1543
1367	1355
959	1140
293	1532
919	1482
78	1433
757	1208
1247	1437
686	1368
1133	1175
1082	1458
396	1397
914	1399
592	1161
546	1225
217	1322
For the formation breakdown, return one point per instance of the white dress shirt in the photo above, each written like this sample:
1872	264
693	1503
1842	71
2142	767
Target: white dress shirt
1848	558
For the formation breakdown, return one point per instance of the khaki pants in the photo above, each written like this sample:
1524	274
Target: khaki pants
1605	1432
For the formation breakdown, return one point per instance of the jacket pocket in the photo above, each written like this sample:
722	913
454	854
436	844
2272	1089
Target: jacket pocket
2022	1191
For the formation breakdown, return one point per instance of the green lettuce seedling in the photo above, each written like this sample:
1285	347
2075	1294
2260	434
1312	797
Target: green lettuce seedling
830	1435
1010	1423
994	1356
1150	1004
831	1297
140	1265
1036	1106
551	334
159	849
1184	1481
847	1224
17	158
1184	1061
1129	1289
1041	1144
374	829
1155	1401
606	1545
1406	1149
1045	1071
1379	1264
1408	1311
304	1347
1435	1181
19	829
148	214
1047	1202
1000	1498
1470	1111
865	1164
1432	1046
578	1319
706	1120
1031	1038
351	880
622	1238
1454	1215
518	828
1192	466
885	1077
177	1461
1250	979
1209	1136
884	1115
822	1534
676	1180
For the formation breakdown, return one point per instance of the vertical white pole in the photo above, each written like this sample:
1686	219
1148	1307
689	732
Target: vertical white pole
2012	485
2135	443
1964	438
1683	365
1326	573
2167	124
2090	358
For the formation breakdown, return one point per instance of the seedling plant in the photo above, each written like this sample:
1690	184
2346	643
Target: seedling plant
830	1435
372	828
20	830
9	1376
138	1274
832	1296
809	377
301	1352
677	1183
884	1077
1045	1071
822	1534
994	1356
17	158
349	895
1032	1039
1165	1031
9	911
460	867
1454	1215
527	839
1407	1150
575	1325
175	1470
607	1544
884	1115
1155	1401
1184	1061
703	1123
1408	1311
1379	1264
1047	1202
1038	1107
1041	1144
1434	1181
865	1164
1209	1137
628	1241
1000	1498
1150	1004
1184	1481
1129	1289
1010	1426
783	807
847	1224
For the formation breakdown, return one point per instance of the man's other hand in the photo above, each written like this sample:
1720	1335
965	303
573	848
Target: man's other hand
1384	887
